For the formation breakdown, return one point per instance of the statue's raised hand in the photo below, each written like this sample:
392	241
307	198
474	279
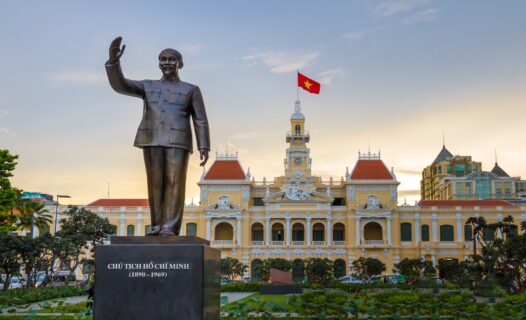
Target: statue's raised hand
115	50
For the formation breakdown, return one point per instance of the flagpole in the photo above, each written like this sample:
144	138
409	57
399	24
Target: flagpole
297	87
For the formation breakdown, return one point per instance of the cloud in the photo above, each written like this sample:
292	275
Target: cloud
408	171
282	61
254	134
79	77
191	49
422	16
326	77
6	131
4	113
392	7
355	36
409	192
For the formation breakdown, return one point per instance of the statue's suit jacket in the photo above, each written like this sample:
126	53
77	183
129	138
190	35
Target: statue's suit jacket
168	106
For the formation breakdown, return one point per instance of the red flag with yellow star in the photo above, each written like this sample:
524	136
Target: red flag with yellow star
308	84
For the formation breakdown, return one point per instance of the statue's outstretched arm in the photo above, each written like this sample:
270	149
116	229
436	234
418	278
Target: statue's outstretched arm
113	69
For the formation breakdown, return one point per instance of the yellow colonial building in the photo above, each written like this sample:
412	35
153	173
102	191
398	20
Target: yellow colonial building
298	215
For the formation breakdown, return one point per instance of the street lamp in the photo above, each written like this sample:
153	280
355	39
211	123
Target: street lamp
56	209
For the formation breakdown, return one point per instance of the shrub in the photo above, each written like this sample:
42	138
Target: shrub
240	287
24	296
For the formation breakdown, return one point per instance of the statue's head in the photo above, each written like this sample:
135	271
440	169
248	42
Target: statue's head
170	61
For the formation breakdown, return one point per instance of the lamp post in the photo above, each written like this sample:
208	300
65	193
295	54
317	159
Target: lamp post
56	209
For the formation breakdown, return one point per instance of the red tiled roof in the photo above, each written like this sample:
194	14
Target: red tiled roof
371	170
464	203
225	170
119	203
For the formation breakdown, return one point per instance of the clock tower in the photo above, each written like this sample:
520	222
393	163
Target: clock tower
298	159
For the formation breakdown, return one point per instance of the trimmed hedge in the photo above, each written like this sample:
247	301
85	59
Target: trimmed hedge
15	297
241	287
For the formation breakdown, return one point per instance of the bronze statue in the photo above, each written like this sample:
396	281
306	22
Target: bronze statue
164	133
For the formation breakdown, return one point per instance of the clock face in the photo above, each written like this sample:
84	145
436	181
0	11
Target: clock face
298	161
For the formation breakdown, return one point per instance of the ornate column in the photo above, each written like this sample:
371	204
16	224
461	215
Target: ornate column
208	222
238	231
287	231
308	231
389	238
329	230
460	237
417	228
434	226
267	230
139	222
358	231
122	222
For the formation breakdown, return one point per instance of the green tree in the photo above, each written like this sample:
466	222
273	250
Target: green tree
450	269
9	196
319	270
81	230
366	268
35	253
276	263
232	268
10	257
32	209
414	269
298	270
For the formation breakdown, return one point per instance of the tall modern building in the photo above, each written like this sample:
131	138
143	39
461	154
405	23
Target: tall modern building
298	215
452	177
445	165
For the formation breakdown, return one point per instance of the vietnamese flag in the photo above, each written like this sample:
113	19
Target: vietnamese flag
308	84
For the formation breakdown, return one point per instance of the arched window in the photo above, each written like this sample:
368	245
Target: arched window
406	233
446	233
488	234
339	268
338	233
277	232
372	231
318	232
298	129
298	232
257	232
191	229
147	229
130	230
224	231
468	232
425	232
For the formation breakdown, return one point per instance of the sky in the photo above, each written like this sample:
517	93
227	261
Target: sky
396	76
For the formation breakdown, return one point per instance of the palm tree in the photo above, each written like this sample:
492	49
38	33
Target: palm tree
33	213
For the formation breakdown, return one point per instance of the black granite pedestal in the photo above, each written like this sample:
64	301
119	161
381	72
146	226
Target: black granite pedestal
161	278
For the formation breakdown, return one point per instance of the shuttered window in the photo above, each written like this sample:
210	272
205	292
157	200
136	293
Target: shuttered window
405	229
446	233
425	232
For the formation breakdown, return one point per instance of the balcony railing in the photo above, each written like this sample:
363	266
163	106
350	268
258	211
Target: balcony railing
223	242
257	243
318	243
406	243
374	242
338	243
277	243
297	243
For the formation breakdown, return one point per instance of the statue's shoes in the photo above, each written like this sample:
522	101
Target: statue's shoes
166	233
155	231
